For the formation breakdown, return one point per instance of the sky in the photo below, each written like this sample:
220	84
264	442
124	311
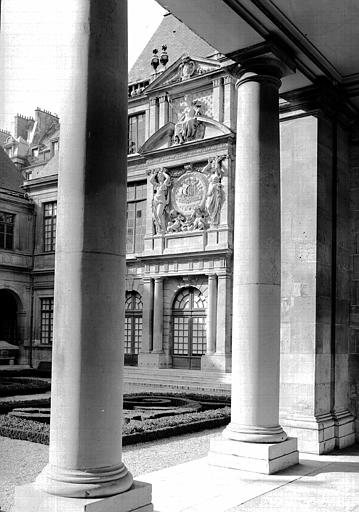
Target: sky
32	68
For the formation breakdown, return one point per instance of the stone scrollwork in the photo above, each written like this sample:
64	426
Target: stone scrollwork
161	183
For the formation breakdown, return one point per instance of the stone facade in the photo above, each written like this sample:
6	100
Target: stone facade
180	223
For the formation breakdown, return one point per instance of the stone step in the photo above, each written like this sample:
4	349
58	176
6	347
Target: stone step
181	380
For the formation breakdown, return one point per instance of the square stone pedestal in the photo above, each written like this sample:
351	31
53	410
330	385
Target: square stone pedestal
137	499
257	457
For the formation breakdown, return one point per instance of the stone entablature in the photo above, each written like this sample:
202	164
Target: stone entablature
219	264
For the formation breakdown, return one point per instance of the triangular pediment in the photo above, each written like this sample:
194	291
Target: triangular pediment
172	135
184	69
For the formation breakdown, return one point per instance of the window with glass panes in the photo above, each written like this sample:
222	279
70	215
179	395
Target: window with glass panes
136	132
136	216
50	210
133	327
47	320
189	327
7	221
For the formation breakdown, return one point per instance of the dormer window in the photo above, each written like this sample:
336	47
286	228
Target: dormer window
136	132
55	147
35	152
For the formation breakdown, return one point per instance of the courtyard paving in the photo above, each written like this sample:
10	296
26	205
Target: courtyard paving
184	482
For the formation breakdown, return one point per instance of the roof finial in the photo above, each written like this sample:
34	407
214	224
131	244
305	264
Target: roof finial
164	55
155	60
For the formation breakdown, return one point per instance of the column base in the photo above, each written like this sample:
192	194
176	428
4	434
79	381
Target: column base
262	458
28	498
315	434
216	362
344	429
153	360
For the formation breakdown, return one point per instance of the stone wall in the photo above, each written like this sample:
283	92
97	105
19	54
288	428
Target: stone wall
315	282
354	305
299	139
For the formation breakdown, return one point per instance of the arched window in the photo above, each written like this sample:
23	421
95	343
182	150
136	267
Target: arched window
133	327
189	328
8	317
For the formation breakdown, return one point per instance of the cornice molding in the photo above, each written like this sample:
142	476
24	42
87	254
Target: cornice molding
321	97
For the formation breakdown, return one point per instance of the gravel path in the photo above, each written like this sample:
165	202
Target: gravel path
22	461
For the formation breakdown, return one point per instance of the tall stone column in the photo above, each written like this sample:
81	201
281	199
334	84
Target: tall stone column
147	318
222	314
217	357
85	469
211	314
147	323
254	440
158	317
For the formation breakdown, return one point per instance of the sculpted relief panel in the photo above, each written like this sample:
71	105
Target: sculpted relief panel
189	201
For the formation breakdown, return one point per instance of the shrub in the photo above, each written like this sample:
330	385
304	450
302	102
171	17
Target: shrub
12	386
134	431
8	406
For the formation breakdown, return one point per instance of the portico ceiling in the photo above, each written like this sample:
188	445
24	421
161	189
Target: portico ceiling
322	36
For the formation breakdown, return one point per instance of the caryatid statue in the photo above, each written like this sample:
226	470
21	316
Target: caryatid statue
215	193
161	183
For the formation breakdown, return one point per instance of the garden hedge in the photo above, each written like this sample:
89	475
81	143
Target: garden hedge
135	431
23	386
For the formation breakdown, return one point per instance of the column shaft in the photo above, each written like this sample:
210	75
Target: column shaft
211	314
222	316
218	99
229	102
153	116
158	316
256	263
86	396
163	111
147	329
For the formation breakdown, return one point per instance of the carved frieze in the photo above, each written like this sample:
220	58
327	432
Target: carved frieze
190	199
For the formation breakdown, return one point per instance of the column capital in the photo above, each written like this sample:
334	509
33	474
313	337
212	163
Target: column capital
212	276
217	81
153	101
229	79
264	68
147	280
162	99
158	279
271	54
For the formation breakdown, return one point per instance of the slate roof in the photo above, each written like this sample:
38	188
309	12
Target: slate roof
41	170
179	40
10	176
